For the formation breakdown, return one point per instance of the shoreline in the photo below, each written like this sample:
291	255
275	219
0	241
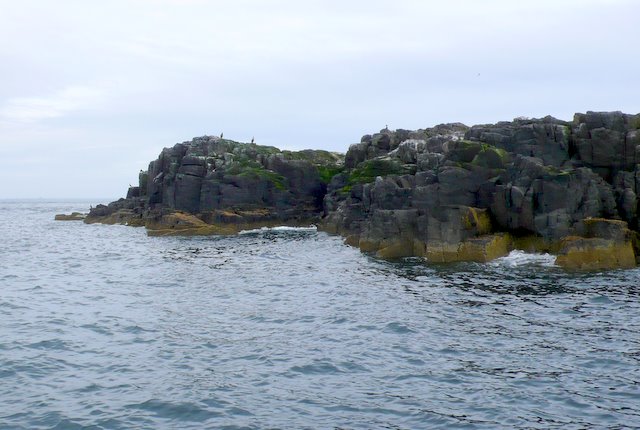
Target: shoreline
445	193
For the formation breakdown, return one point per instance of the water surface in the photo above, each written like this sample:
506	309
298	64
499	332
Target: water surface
102	327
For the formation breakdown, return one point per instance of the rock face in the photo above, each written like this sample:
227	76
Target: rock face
451	193
446	193
221	186
606	244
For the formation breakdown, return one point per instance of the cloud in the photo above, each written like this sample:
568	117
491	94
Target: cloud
136	75
69	99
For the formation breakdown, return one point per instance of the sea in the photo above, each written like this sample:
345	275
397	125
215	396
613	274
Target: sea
103	327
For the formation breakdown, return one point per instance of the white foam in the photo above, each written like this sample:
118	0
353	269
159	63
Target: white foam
520	258
278	228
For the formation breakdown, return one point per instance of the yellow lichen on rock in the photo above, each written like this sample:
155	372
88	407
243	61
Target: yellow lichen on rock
74	216
396	249
481	249
608	244
419	248
441	252
533	243
581	253
368	245
121	216
478	220
184	224
206	230
352	240
177	221
485	248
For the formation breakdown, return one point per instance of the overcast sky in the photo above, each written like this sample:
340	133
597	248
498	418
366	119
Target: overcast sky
91	91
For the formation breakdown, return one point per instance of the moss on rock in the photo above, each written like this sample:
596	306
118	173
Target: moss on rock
369	170
491	157
328	172
277	180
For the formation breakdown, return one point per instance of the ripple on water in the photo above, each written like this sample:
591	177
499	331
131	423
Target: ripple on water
396	327
179	411
318	367
280	328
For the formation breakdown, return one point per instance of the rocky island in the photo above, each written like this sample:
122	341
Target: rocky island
446	193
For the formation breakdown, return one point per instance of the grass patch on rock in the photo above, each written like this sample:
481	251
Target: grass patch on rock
262	173
328	172
369	170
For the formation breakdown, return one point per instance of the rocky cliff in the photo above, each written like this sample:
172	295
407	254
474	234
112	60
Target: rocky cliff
216	186
447	193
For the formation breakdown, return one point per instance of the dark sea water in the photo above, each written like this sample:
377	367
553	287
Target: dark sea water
102	327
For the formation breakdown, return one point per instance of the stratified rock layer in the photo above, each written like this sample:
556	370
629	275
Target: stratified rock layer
446	193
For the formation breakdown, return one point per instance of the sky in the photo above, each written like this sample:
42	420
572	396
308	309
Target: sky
91	91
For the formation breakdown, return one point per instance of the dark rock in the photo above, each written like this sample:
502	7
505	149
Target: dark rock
446	193
606	244
544	139
606	143
209	174
531	177
133	192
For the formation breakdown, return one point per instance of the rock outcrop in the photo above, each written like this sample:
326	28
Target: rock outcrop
453	193
217	186
73	216
446	193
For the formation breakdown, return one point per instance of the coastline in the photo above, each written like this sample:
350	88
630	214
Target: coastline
445	193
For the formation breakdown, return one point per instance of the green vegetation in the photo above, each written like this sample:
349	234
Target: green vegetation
369	170
346	189
491	157
328	172
250	150
252	169
316	157
554	171
262	149
328	163
464	150
262	173
240	165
